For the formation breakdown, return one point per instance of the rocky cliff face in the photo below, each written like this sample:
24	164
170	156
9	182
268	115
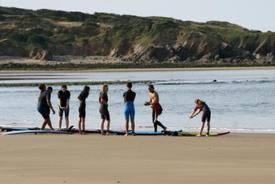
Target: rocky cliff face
43	33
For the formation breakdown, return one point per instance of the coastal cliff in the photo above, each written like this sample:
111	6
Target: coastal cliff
51	35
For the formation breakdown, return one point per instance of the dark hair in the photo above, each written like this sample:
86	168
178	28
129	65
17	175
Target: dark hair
84	93
64	86
129	85
50	88
42	87
86	89
151	86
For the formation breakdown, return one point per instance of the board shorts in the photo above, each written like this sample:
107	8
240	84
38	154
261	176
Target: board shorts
82	110
44	111
129	110
104	113
66	111
157	109
206	116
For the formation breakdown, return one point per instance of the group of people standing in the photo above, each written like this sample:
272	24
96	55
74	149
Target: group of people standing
45	106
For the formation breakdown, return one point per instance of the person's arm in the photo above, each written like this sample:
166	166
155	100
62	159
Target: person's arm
50	104
148	102
195	112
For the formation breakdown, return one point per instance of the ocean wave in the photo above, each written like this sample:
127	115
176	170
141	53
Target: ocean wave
213	82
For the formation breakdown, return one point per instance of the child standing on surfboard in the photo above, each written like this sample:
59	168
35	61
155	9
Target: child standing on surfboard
201	106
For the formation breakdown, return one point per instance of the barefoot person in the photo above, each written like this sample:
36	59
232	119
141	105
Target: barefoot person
44	105
64	97
82	108
201	106
129	108
104	112
156	107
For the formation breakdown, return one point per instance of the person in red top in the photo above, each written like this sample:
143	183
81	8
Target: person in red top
201	106
156	107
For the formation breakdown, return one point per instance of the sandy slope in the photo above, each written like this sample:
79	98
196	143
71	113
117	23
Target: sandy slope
236	158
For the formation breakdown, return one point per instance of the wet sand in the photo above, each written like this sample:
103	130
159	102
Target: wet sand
235	158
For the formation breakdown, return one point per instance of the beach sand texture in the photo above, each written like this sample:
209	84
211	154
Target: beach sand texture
234	158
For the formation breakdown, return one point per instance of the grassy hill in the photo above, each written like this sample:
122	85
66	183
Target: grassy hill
47	33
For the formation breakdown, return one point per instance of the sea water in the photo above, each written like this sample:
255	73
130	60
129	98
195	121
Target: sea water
240	100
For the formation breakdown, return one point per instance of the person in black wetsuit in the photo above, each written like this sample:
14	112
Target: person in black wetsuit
44	105
129	108
82	108
201	106
64	108
104	112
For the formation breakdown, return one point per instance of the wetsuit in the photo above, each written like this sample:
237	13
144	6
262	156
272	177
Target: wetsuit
64	96
104	112
42	105
129	108
206	112
82	106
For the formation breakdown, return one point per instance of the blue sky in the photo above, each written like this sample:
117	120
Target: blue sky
253	14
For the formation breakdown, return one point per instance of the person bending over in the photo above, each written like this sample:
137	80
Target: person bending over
201	106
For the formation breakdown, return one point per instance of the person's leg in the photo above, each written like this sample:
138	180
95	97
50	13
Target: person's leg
50	124
202	127
108	121
102	126
83	125
154	121
161	125
208	123
79	125
126	126
67	117
44	124
132	117
60	117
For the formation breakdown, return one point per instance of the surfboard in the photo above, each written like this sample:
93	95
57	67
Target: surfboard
8	129
36	132
193	134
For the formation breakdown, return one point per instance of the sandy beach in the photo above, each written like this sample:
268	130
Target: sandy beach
235	158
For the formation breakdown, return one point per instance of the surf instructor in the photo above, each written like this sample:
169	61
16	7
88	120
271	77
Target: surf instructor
156	107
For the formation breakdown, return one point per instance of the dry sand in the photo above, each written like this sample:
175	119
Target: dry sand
41	159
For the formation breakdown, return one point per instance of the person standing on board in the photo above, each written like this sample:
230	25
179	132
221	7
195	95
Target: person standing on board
156	107
64	97
44	105
129	108
104	112
82	108
201	106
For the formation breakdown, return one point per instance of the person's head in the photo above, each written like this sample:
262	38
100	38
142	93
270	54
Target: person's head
199	102
104	88
129	85
86	89
50	89
151	88
64	88
42	87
